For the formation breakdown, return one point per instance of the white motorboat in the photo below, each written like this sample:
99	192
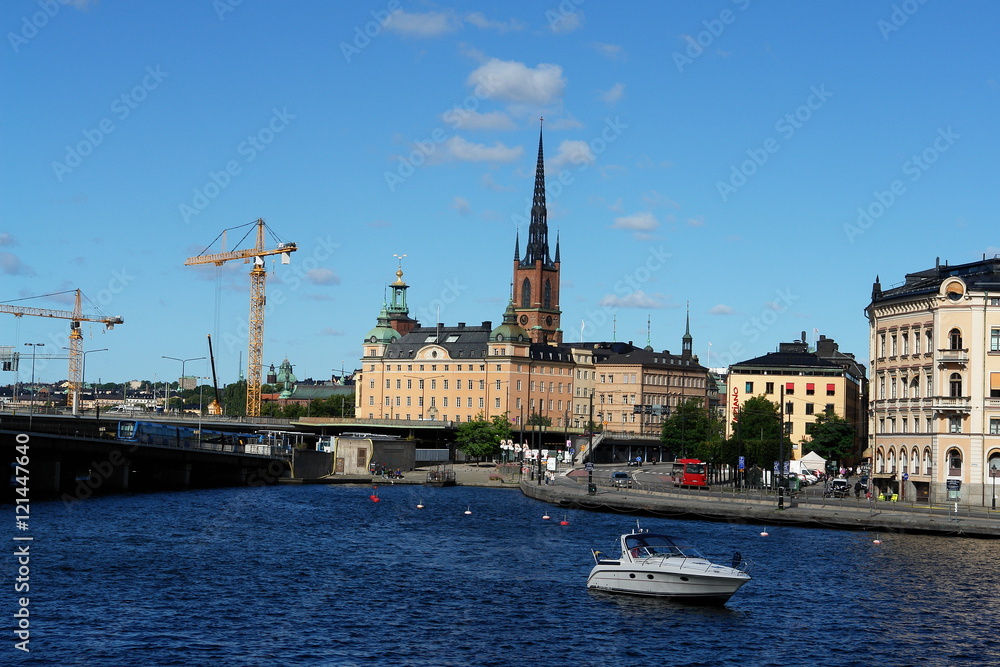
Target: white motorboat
658	565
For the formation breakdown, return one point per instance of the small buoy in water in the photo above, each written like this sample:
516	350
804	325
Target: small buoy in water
420	506
764	533
375	499
546	517
876	540
468	511
564	522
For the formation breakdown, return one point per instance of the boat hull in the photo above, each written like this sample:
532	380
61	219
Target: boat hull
710	587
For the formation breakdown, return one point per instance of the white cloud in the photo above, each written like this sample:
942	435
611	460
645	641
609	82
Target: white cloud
461	204
431	24
457	148
490	184
697	221
609	51
641	222
637	299
480	21
7	239
572	151
516	82
721	309
473	120
614	94
322	277
566	22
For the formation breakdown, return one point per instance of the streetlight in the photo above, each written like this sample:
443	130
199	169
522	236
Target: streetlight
34	389
183	363
83	379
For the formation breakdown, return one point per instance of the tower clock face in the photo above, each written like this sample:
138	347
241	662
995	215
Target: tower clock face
524	320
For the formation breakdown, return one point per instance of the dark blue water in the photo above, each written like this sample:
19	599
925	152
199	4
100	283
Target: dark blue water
323	576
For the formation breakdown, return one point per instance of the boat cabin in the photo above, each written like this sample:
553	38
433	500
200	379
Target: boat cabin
646	545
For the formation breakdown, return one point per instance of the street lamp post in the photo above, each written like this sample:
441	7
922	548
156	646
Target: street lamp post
34	390
183	363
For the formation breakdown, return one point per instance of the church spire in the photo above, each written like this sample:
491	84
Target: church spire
538	230
687	340
517	246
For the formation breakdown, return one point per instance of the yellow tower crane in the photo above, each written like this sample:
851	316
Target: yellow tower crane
75	337
258	277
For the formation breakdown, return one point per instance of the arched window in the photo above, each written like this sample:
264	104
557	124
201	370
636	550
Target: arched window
880	461
954	463
915	386
955	337
915	461
927	462
956	384
892	461
993	465
547	299
903	461
526	294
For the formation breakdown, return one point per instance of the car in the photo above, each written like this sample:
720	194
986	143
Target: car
621	479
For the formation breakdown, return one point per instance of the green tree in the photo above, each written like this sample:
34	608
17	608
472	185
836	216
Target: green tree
832	436
691	432
481	438
757	433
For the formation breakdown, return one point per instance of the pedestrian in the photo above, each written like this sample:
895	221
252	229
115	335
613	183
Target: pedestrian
857	489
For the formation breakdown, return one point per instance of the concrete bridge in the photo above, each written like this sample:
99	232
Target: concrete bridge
76	457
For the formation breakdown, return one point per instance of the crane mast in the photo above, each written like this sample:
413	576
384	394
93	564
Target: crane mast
258	299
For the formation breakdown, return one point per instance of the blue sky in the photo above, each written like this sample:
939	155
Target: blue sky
761	161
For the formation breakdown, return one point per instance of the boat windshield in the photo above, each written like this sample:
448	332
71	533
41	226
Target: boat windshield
644	546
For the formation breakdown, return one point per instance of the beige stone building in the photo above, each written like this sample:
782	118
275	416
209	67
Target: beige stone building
935	408
522	367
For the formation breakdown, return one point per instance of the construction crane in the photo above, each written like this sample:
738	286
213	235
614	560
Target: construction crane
75	337
258	277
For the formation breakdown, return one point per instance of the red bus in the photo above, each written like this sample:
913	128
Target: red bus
690	472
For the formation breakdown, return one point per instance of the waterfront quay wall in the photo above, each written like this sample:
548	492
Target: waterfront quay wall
878	518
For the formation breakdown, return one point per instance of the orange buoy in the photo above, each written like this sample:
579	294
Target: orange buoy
564	522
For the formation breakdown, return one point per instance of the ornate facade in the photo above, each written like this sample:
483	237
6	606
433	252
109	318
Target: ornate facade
935	406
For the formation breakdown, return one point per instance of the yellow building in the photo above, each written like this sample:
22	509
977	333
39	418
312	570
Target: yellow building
804	383
935	408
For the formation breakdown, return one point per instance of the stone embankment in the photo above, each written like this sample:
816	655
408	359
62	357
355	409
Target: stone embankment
571	491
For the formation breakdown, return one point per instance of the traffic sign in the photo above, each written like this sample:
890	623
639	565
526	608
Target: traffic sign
589	466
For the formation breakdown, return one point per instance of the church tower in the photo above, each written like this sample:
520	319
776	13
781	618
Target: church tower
398	312
687	341
536	276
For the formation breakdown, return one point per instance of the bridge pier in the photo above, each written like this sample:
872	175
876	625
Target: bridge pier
179	476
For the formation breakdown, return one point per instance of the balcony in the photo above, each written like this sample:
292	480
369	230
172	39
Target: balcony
953	357
952	404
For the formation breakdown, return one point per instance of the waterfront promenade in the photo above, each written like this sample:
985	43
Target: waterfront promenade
569	489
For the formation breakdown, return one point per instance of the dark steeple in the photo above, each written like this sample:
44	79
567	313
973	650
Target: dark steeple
557	247
517	246
686	340
538	231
